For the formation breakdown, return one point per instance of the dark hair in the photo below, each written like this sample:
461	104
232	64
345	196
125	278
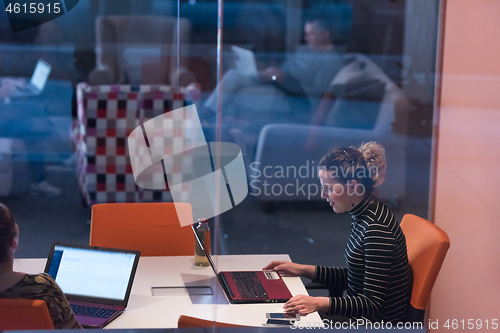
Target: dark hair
365	164
7	232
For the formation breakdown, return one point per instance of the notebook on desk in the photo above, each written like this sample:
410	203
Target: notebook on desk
96	281
249	286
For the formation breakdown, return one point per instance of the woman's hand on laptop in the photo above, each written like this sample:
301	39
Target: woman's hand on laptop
289	268
304	305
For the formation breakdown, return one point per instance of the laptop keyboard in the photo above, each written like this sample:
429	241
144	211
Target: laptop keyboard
248	285
92	311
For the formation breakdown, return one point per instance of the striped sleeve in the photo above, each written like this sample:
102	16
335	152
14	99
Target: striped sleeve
379	245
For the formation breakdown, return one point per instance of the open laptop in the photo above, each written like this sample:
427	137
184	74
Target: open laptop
37	83
244	61
249	286
96	280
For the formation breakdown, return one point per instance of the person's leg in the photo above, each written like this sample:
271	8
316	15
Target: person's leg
37	171
38	147
232	82
39	184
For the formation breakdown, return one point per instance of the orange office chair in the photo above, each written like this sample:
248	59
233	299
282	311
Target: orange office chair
427	245
187	321
152	228
24	314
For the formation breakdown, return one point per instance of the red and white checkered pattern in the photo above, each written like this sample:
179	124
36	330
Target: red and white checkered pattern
106	116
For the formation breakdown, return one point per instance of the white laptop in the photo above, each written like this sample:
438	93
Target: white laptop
244	61
37	83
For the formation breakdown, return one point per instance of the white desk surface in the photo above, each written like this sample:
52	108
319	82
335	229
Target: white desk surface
147	311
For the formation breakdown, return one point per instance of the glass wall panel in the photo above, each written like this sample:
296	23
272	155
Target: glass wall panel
64	148
301	77
114	65
293	79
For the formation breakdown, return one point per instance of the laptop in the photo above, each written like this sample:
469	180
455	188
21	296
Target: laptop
249	286
37	83
96	280
244	61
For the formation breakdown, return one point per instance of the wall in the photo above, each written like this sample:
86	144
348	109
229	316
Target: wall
467	197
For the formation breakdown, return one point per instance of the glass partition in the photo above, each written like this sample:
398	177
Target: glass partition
284	80
64	147
301	77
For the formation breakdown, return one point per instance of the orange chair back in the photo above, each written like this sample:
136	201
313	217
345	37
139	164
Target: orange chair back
187	321
24	314
427	245
152	228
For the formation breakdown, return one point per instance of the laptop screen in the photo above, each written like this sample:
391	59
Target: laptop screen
91	272
41	74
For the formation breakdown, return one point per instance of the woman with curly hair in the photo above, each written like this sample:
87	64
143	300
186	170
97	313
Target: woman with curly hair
375	286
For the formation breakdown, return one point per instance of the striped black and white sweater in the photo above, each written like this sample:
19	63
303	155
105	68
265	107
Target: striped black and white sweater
377	277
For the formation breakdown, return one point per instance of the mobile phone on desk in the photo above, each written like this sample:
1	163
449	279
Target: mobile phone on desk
279	322
283	316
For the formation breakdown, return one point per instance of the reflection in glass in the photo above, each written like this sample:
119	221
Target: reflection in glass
329	73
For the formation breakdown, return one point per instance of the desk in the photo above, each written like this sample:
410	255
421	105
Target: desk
147	311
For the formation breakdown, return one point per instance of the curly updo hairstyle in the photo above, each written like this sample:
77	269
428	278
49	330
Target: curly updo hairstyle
365	164
7	232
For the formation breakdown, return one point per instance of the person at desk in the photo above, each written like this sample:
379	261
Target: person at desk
377	277
28	286
307	73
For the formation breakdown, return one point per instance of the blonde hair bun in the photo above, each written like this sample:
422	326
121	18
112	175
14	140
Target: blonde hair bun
374	155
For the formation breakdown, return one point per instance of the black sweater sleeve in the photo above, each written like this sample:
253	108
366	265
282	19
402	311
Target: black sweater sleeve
378	253
333	277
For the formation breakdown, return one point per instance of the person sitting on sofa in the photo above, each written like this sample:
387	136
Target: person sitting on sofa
306	73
